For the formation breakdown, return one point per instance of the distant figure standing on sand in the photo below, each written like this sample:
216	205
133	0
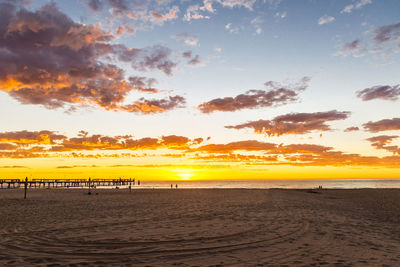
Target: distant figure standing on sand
176	186
138	182
171	186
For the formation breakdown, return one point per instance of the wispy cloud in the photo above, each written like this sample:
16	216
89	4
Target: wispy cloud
256	22
380	40
188	39
325	19
359	4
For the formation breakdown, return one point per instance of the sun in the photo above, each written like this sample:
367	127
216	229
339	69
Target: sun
185	175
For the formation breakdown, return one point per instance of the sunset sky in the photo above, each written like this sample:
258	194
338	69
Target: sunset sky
212	89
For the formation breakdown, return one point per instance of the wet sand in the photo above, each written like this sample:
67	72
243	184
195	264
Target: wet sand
200	227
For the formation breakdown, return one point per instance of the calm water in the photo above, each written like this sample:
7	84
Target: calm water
288	184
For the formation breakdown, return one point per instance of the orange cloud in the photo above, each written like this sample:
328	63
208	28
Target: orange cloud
48	59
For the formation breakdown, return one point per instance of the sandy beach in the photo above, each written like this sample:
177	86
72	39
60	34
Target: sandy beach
200	227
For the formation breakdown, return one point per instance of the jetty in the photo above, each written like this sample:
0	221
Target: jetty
64	183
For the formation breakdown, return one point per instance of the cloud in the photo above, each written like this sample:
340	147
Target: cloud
47	59
146	106
143	84
6	146
354	48
359	4
159	19
193	60
276	96
237	3
248	145
31	137
294	123
194	11
387	33
231	29
95	5
382	142
76	166
382	125
325	20
352	129
188	39
249	100
245	152
14	167
238	158
256	23
381	40
281	15
25	144
385	92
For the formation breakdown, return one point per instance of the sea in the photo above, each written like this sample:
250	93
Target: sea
268	184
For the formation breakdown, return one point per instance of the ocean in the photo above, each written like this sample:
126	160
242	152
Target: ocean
284	184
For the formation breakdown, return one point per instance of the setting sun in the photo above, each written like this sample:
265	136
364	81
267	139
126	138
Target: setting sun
185	174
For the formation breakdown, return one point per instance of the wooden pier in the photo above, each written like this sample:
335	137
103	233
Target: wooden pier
64	183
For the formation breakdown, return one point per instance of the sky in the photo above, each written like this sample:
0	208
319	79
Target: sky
200	90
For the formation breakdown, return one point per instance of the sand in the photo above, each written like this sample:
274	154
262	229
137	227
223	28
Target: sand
200	227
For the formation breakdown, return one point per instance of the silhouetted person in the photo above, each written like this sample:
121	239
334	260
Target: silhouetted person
176	186
171	186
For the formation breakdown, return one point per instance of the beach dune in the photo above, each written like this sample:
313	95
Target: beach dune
200	227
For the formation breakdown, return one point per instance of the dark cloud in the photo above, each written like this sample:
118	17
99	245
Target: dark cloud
387	33
385	92
48	59
352	129
383	141
294	123
276	96
382	125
